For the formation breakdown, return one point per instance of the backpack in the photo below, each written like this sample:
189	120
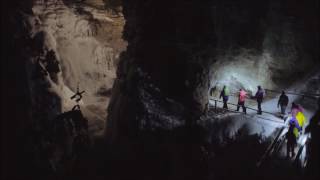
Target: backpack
301	119
297	128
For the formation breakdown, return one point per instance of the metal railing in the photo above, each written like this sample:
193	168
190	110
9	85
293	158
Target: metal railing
270	147
264	118
216	100
311	95
303	95
278	141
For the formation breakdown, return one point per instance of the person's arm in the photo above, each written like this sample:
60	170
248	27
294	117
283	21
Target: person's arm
255	96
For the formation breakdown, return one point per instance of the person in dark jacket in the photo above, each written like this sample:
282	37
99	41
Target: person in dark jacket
259	96
225	96
291	141
283	102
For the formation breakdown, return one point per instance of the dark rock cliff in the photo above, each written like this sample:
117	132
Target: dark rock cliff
170	47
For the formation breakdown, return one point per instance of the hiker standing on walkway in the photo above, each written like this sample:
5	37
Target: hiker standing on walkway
259	96
225	96
241	100
297	118
283	102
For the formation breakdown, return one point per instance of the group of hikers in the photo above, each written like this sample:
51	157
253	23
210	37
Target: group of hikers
224	94
296	120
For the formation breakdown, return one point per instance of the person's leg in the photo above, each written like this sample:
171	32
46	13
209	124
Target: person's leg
244	108
224	104
259	107
288	149
292	149
238	106
283	109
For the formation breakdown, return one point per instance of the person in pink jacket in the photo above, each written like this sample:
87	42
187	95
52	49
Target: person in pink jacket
241	100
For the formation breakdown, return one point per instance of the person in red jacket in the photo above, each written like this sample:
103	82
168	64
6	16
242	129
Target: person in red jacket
241	100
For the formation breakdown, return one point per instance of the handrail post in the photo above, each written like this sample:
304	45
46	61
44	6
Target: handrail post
215	105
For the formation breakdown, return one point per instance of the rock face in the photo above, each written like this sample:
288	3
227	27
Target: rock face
59	144
50	48
74	45
271	43
169	51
